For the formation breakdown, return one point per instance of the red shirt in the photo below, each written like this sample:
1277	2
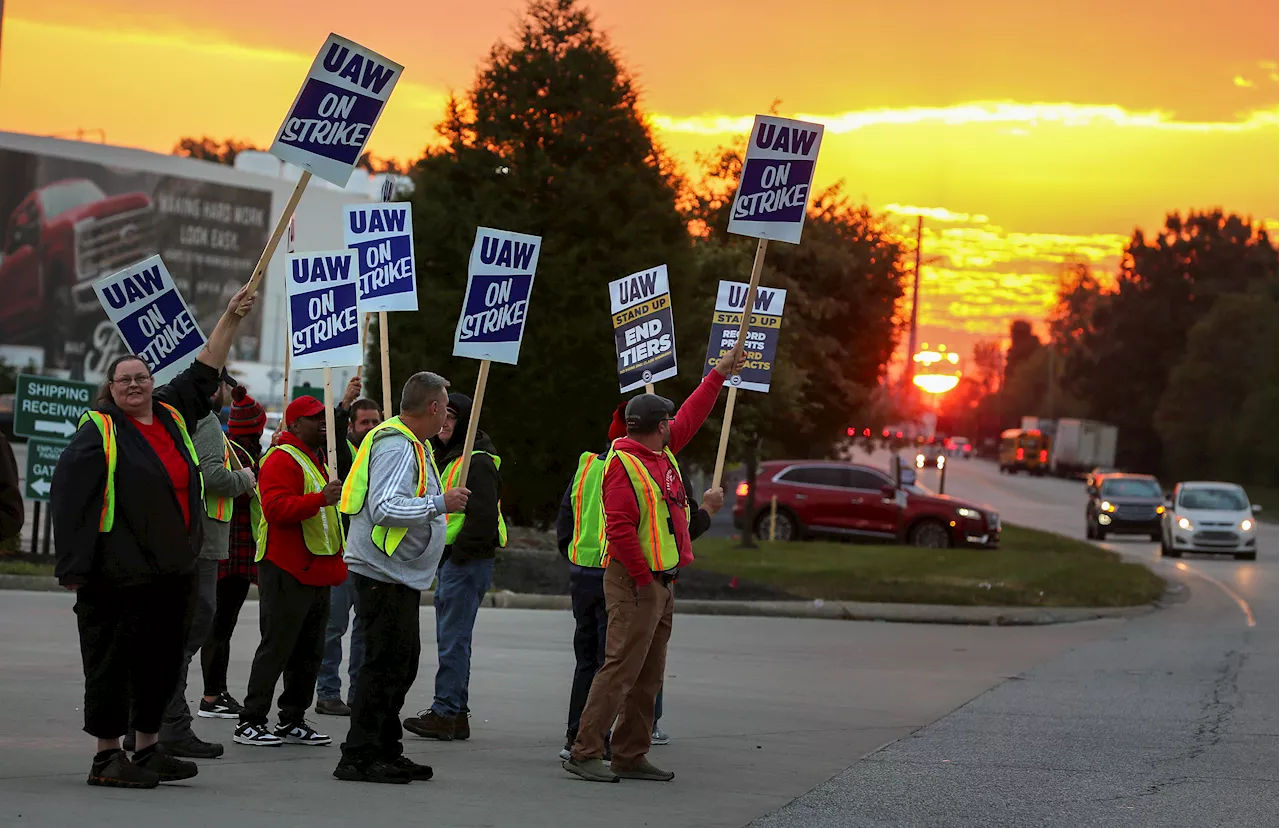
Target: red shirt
281	486
173	460
622	511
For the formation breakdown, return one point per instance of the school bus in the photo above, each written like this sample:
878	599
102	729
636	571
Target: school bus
1024	450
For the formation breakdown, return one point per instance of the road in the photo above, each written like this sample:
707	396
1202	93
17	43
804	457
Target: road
1167	720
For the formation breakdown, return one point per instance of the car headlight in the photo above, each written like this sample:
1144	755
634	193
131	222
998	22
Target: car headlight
968	513
1159	510
1183	523
1108	506
1246	525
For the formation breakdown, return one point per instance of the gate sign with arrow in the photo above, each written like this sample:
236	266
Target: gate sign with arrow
41	459
48	408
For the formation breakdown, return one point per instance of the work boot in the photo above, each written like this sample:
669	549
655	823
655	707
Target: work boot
418	773
332	707
641	768
592	770
462	727
375	771
193	747
112	769
430	725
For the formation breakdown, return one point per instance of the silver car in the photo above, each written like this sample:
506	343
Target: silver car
1210	517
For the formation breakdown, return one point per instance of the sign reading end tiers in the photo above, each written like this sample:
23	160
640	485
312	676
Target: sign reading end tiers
777	174
335	111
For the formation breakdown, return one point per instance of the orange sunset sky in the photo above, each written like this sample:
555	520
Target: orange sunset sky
1027	132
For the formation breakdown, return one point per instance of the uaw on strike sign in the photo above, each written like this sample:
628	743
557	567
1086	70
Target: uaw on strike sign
324	328
382	237
144	304
762	336
339	103
777	174
643	328
499	283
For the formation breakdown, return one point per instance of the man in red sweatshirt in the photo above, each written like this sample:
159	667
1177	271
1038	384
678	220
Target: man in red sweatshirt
647	541
299	559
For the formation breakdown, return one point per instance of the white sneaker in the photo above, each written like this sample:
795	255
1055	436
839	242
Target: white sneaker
256	735
301	733
565	754
659	736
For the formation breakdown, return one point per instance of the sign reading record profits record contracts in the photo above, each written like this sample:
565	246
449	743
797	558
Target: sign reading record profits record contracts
777	173
643	328
339	103
762	335
382	237
499	283
152	317
324	331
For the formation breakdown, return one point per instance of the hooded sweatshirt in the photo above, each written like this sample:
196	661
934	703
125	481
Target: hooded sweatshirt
392	501
622	511
478	538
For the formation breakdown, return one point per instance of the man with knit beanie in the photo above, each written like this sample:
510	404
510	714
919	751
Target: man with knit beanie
238	572
580	536
222	484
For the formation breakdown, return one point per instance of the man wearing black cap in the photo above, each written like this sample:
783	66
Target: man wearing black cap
647	539
472	539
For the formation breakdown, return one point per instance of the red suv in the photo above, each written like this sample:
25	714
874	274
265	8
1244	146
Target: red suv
821	497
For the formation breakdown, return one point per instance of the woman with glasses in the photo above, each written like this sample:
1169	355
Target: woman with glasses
127	500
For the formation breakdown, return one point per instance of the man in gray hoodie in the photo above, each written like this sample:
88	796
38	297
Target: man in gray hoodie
222	485
396	538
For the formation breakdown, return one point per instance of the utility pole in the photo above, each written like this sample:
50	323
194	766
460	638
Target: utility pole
1053	379
909	373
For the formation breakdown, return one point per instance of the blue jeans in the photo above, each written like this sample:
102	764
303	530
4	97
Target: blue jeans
459	590
329	682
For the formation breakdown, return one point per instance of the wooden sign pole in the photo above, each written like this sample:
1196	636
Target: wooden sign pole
474	424
747	309
364	337
648	388
384	349
329	426
284	395
273	242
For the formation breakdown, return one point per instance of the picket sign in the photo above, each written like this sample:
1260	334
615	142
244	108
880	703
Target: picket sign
149	313
643	328
747	310
500	276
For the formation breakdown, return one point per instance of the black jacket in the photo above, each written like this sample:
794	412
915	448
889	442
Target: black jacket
11	514
149	538
699	519
478	537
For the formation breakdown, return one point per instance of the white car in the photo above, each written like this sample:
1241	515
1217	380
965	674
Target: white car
1209	517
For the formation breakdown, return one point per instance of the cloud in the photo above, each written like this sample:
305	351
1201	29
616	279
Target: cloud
1242	82
979	112
935	213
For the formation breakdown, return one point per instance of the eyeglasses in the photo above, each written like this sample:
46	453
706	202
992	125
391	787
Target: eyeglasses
140	379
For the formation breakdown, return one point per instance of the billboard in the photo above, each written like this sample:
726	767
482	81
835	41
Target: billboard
68	223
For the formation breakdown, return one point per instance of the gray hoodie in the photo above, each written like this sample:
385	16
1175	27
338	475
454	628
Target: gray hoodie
218	480
391	502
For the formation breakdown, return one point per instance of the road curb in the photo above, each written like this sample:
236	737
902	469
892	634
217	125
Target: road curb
831	610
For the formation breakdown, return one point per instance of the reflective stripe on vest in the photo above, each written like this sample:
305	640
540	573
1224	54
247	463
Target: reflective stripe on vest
585	495
107	429
356	487
220	508
656	535
255	503
322	532
454	520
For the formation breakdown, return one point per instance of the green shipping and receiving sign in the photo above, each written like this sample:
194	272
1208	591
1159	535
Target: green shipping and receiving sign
49	409
41	458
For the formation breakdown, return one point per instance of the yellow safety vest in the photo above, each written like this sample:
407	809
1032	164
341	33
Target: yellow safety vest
454	520
107	428
356	487
220	508
255	502
585	495
657	540
322	532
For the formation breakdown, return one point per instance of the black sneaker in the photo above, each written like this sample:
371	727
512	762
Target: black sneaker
375	771
301	733
418	773
224	708
248	733
157	760
193	747
129	742
112	769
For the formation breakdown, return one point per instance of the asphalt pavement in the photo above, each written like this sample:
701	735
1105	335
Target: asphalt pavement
1166	720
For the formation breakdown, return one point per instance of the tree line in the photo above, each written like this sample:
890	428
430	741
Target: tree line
551	140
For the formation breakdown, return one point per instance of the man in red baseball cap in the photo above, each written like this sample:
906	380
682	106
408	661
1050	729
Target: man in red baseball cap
299	559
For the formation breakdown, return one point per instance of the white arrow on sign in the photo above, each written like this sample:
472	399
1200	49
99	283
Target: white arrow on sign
41	487
64	428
